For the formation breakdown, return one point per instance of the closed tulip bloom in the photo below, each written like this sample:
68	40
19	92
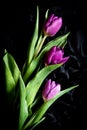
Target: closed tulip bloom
55	56
51	89
52	25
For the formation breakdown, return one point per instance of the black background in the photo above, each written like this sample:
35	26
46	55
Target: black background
16	28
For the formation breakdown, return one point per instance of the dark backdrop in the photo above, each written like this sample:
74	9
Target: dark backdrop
16	28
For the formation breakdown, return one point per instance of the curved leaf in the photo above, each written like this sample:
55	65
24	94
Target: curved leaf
34	85
59	41
37	116
10	63
11	72
31	48
23	113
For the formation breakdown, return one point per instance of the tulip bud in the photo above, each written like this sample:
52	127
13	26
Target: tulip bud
50	90
52	25
55	56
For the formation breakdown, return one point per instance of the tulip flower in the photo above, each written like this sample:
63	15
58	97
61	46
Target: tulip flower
50	90
55	56
52	25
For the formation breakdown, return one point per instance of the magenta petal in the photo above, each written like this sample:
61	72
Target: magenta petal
53	84
64	59
46	88
54	27
54	92
49	55
49	20
57	57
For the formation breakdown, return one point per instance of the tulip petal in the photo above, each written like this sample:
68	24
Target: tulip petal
46	88
49	55
64	60
54	92
54	27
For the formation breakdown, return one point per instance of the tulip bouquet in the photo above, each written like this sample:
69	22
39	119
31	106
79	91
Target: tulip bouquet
27	97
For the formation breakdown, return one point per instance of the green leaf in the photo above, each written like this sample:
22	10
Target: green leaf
37	116
46	14
10	63
32	127
11	72
30	69
34	85
59	41
31	48
23	113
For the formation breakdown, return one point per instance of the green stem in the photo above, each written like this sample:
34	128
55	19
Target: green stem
36	116
41	44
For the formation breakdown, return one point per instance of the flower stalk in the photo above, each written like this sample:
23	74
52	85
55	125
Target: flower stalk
40	46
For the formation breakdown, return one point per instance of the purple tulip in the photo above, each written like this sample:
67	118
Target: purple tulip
52	25
50	90
55	56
